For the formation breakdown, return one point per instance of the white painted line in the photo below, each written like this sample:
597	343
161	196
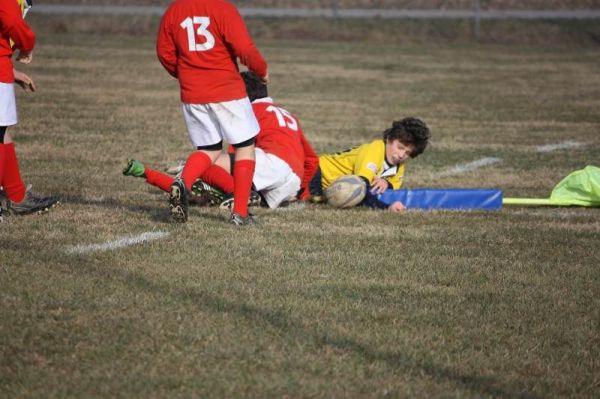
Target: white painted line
467	167
559	146
118	243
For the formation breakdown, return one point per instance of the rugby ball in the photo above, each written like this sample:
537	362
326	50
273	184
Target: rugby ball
346	192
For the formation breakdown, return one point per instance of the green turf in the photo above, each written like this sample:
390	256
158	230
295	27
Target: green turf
317	302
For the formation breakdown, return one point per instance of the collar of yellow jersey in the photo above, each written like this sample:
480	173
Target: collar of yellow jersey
25	6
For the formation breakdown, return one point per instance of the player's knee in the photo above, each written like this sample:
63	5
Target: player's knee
212	147
246	143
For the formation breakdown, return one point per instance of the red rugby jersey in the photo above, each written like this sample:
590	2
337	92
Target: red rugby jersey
12	26
281	135
199	42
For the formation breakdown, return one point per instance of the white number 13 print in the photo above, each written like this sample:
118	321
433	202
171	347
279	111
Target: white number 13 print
188	24
284	118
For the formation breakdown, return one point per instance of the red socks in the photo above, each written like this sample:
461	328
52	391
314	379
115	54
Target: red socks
196	164
1	163
11	179
214	175
159	179
243	172
218	177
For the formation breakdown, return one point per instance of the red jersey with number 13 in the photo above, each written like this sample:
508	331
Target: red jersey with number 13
199	42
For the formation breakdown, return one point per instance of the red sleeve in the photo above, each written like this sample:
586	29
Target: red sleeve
236	35
311	164
14	26
165	46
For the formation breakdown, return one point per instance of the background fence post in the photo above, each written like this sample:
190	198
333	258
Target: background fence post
476	18
334	8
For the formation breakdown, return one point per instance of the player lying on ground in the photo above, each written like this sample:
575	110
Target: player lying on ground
285	161
380	163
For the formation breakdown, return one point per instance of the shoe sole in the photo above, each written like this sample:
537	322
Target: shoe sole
177	207
39	211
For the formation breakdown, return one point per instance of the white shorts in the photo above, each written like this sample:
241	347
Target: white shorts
232	121
274	179
8	105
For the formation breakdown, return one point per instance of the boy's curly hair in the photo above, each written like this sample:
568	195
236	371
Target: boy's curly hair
255	87
409	131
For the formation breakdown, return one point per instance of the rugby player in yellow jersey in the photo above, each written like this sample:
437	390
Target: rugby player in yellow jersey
380	163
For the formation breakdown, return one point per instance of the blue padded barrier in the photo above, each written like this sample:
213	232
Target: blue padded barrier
442	198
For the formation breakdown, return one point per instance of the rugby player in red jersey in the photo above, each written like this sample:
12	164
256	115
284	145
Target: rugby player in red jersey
15	34
199	43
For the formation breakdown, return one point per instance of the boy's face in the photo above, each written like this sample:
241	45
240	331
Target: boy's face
396	152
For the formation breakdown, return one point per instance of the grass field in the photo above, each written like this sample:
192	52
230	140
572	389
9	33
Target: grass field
313	302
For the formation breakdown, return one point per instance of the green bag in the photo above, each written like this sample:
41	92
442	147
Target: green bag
580	188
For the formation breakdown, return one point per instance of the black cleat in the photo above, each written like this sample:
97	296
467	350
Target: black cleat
31	204
204	190
178	202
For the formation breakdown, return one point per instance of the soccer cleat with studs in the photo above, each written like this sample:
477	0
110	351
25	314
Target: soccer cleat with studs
31	204
134	168
178	202
253	200
238	220
211	193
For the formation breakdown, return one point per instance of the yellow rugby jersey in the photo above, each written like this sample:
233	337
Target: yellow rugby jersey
366	160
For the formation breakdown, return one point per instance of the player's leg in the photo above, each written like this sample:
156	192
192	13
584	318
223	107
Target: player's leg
14	186
227	203
216	183
240	127
3	197
19	200
153	177
206	137
243	174
195	166
219	174
2	152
